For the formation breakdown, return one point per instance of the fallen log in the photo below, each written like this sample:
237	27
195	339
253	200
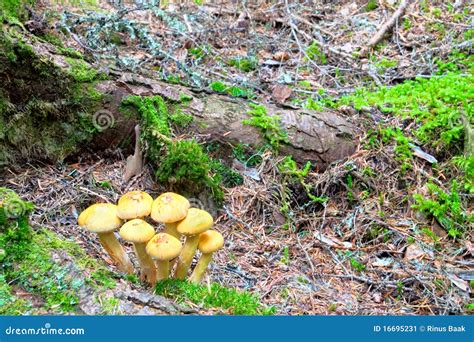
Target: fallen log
319	137
46	75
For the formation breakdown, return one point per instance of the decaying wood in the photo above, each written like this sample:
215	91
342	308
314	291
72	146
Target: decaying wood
386	27
319	137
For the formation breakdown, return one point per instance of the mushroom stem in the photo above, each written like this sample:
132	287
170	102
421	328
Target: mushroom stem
170	228
200	268
148	269
116	252
163	267
186	256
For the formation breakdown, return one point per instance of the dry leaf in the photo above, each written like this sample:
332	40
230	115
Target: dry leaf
462	284
281	56
414	251
281	93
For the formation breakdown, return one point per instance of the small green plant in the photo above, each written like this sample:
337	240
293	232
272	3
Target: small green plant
105	184
436	11
199	52
234	91
315	53
229	177
446	207
270	126
407	23
245	64
371	5
384	63
467	166
285	259
215	296
356	265
218	87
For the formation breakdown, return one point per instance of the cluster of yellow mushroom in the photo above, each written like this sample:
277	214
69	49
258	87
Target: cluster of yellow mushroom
157	253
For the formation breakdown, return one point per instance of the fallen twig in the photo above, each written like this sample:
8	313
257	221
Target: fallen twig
385	27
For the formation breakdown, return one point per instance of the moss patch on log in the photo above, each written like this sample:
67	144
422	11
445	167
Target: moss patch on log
46	110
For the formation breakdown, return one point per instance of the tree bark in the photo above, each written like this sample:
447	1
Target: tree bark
319	137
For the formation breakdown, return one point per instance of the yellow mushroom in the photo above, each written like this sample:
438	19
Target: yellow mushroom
163	247
209	242
196	222
139	233
169	208
134	204
101	218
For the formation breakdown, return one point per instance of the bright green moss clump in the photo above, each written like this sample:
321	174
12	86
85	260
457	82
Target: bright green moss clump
41	263
216	296
14	9
15	232
182	164
435	103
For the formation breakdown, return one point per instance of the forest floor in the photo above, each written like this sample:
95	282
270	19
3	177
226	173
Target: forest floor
387	231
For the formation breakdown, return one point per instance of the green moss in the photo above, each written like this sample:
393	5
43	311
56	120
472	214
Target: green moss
15	232
270	126
14	9
230	178
53	39
187	166
435	103
215	296
81	71
181	164
231	90
245	64
27	262
9	303
70	52
44	114
181	119
371	5
446	207
315	53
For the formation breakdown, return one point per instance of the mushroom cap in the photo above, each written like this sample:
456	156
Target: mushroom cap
163	247
196	222
210	241
137	231
134	204
100	218
169	207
